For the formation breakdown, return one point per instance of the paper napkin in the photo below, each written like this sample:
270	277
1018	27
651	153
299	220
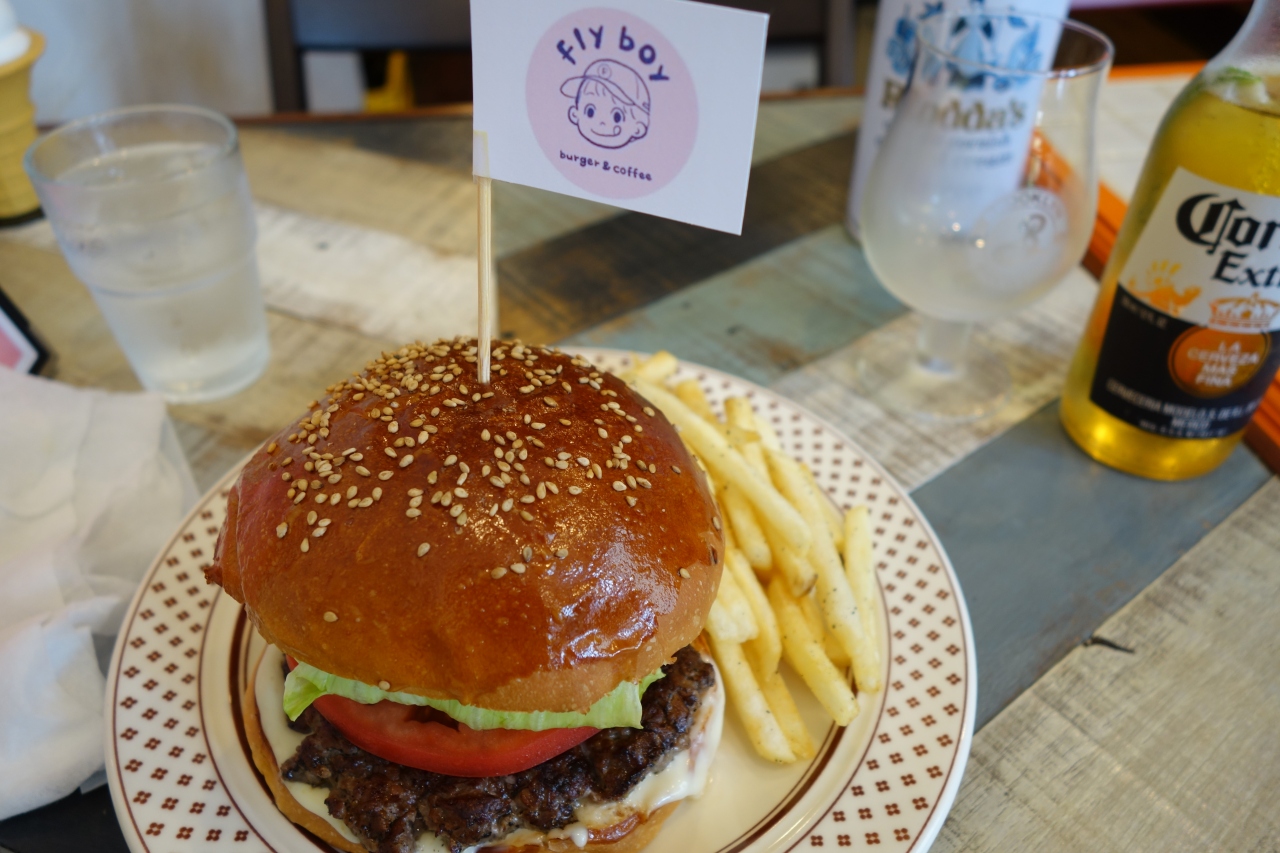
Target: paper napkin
92	484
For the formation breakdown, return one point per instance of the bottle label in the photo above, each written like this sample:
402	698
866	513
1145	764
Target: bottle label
1193	339
899	26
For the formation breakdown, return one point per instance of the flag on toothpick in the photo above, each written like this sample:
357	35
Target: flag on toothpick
648	105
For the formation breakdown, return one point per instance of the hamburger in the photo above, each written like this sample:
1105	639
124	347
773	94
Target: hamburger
483	606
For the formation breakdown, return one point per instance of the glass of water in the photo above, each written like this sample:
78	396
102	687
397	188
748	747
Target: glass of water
151	208
982	197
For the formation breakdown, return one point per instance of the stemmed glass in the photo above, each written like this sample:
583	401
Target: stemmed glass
982	197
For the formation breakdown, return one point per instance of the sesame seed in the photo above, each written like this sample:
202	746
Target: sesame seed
498	572
363	471
631	501
281	529
507	504
562	553
389	452
325	522
575	490
365	502
334	479
631	481
527	553
416	422
527	516
318	532
353	503
272	447
684	573
676	468
553	488
299	497
413	512
436	410
321	498
527	499
541	491
562	455
423	436
311	517
356	457
450	460
415	501
351	492
648	411
643	482
716	522
566	422
305	546
377	493
330	616
393	427
462	493
562	465
384	685
406	461
413	493
619	486
537	425
385	475
455	510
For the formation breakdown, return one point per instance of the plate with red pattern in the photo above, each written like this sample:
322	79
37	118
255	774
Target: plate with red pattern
182	779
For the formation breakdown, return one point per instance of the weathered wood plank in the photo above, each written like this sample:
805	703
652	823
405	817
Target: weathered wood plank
564	286
766	317
1049	543
1171	748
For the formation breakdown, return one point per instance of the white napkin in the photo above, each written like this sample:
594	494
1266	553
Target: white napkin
92	484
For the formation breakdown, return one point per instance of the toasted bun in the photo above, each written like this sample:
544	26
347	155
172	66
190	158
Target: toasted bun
630	836
492	615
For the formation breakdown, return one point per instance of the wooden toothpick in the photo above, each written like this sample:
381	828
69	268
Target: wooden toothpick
484	278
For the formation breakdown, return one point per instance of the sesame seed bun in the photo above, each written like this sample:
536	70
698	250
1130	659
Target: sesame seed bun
554	582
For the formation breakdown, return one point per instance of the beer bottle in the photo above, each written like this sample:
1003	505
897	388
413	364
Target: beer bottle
1184	338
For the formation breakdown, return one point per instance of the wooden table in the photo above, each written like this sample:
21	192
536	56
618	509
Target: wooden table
1126	631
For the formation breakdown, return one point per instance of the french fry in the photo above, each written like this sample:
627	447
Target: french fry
737	606
804	652
830	645
742	519
690	393
658	368
834	594
860	570
753	709
791	564
787	714
830	514
766	648
768	437
742	423
731	469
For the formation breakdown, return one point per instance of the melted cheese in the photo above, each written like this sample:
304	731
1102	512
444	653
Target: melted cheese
685	775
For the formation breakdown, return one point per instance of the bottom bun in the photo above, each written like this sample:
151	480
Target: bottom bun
644	827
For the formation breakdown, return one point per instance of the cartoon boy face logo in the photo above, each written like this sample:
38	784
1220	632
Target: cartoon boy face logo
610	104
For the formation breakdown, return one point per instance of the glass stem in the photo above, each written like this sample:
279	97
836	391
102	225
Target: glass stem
941	345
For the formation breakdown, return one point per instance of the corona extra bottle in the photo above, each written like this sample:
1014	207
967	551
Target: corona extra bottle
1184	338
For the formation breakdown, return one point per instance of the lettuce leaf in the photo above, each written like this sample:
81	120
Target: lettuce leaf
620	707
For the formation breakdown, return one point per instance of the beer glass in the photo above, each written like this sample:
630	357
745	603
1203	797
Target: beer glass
982	198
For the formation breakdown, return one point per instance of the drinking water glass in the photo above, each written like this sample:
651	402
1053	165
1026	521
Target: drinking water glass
982	198
151	208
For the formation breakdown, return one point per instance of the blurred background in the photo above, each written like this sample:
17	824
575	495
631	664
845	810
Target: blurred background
258	57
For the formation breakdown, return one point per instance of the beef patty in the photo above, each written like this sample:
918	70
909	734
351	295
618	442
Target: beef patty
388	805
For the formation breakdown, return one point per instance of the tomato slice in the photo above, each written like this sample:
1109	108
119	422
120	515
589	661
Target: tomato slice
416	737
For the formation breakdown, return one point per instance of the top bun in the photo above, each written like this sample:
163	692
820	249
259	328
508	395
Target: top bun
525	545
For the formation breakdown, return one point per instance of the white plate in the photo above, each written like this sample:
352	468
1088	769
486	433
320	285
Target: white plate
182	780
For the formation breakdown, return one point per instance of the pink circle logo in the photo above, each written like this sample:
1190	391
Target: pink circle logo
611	103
